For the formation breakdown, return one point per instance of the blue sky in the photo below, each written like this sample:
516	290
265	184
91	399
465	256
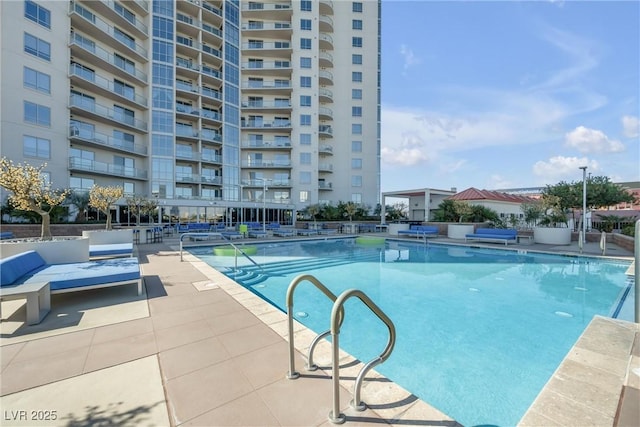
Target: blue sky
509	94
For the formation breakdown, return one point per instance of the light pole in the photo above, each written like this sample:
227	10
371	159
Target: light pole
584	205
264	204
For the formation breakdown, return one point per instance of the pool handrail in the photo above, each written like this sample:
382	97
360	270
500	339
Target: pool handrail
336	321
292	374
208	234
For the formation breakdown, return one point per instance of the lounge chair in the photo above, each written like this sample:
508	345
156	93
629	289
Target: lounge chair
231	235
306	232
257	233
420	231
505	235
27	275
284	232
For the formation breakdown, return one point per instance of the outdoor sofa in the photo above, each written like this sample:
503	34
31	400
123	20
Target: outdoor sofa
505	235
420	231
27	275
4	235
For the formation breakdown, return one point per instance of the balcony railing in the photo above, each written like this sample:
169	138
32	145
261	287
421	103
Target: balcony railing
266	65
267	45
186	131
326	129
257	7
131	19
186	41
105	140
103	26
75	70
325	167
259	25
199	24
261	124
266	104
78	163
89	46
80	102
271	143
205	91
207	6
184	63
324	185
266	163
210	135
266	84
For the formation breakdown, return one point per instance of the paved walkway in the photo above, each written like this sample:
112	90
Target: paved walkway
197	350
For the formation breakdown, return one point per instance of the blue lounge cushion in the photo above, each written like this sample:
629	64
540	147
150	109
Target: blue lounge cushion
14	267
77	275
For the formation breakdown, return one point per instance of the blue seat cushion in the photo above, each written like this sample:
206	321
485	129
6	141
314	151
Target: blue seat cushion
16	266
110	249
76	275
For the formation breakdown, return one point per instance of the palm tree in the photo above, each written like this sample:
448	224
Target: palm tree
80	199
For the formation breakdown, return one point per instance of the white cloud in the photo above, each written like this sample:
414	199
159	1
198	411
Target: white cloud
499	181
560	168
587	140
630	126
410	59
409	151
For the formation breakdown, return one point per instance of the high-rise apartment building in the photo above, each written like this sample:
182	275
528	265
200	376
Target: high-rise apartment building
215	108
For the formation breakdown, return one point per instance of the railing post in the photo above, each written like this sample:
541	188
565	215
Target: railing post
637	271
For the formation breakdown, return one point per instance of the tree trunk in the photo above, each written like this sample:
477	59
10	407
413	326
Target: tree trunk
108	226
45	234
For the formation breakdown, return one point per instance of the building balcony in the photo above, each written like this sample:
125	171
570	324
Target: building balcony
326	24
325	113
267	144
326	78
325	131
325	41
325	59
102	168
325	186
192	91
282	11
85	49
210	180
270	68
325	149
130	23
276	49
266	105
140	6
186	46
187	132
85	137
267	164
325	96
325	167
268	30
80	106
98	84
192	27
187	67
84	20
209	135
325	7
259	124
274	87
258	183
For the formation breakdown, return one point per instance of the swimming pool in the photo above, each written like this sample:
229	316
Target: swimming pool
479	331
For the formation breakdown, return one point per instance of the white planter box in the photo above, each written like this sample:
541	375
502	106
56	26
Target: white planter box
394	228
552	236
60	250
108	237
459	231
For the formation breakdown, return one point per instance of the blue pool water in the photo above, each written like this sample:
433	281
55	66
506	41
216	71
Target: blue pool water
479	332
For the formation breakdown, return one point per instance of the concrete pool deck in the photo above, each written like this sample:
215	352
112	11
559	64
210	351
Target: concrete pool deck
198	349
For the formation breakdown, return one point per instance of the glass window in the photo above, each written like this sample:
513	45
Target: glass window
163	7
305	139
305	119
305	158
128	188
357	7
305	177
37	13
162	27
305	24
163	51
34	79
356	129
356	93
356	41
124	38
305	5
305	81
162	145
356	181
356	59
37	47
356	163
356	24
162	98
37	114
356	198
305	62
304	196
356	146
163	74
124	89
305	100
124	63
305	43
77	183
356	111
124	12
36	147
162	121
356	76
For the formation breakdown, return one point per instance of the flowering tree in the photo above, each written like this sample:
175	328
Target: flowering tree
30	191
102	198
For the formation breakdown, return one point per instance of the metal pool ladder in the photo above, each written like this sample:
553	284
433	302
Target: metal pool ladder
237	249
337	317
